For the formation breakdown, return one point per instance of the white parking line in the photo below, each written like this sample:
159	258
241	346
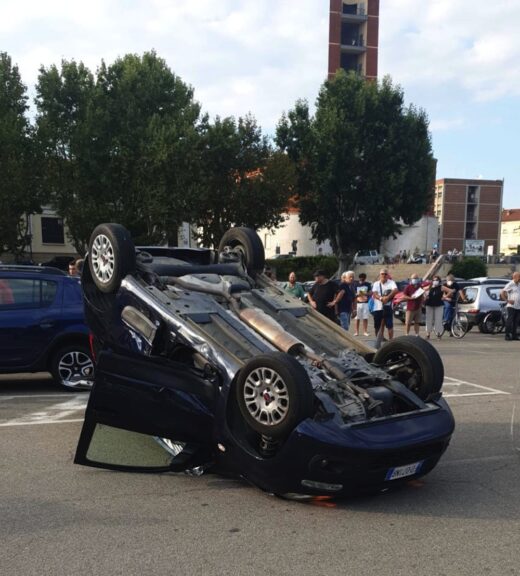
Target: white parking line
15	396
14	423
54	414
483	390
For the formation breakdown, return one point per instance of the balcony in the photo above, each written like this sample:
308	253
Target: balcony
355	45
354	13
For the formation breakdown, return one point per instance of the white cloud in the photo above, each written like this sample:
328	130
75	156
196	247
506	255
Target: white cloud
468	44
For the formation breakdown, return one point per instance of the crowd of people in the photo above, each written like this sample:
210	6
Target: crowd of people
358	299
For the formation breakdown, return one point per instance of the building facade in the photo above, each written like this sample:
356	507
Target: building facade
510	231
354	37
292	237
469	213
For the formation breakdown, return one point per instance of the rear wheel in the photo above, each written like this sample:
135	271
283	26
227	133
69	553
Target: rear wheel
72	367
413	362
491	324
111	256
247	243
460	325
274	394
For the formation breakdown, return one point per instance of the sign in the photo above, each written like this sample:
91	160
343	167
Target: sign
474	247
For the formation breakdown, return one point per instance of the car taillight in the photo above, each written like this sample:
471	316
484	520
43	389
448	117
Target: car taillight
473	311
91	344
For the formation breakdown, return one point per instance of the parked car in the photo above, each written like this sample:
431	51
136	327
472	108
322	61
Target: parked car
478	300
42	325
489	280
210	366
368	257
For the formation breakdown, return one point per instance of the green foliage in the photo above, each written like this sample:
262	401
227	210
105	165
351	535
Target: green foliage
303	266
120	146
20	192
243	182
469	267
364	162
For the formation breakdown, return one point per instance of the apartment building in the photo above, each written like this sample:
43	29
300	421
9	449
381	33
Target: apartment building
510	231
469	214
354	36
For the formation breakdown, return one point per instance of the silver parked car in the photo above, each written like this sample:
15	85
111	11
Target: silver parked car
478	300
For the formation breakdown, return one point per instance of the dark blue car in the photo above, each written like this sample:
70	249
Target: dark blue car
204	363
42	325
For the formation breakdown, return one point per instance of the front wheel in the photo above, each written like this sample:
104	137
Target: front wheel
274	394
413	362
72	367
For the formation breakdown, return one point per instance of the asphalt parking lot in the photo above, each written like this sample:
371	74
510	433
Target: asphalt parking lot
463	518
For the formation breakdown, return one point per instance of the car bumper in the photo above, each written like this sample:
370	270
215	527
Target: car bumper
322	458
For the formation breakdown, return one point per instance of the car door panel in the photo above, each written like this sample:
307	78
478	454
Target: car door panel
141	399
29	322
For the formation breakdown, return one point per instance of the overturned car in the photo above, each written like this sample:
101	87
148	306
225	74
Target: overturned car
204	364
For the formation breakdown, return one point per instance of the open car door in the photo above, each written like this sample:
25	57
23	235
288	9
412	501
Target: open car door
146	416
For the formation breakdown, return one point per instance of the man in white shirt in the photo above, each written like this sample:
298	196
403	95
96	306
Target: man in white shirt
383	291
511	293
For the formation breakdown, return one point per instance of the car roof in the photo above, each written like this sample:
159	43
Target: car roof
490	280
18	268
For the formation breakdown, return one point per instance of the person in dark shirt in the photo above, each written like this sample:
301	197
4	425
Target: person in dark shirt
321	294
345	299
450	301
434	306
363	293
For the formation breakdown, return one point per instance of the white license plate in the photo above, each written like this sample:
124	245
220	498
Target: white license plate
403	471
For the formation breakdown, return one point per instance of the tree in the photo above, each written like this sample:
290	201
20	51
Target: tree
243	181
469	267
20	193
364	163
120	146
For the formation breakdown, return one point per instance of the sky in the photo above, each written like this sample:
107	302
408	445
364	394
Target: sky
459	60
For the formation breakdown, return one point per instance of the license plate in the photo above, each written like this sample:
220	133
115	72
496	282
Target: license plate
403	471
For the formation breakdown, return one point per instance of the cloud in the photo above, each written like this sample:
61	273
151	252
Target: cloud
472	45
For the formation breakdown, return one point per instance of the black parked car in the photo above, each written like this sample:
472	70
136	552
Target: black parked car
204	363
42	326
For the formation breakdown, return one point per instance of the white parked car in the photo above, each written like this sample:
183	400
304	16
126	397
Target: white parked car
368	257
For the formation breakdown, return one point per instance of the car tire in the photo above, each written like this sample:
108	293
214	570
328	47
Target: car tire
248	243
111	256
73	367
274	394
414	362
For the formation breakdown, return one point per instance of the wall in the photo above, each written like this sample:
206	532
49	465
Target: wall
423	235
291	230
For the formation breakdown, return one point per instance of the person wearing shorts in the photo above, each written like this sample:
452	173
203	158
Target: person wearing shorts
363	293
383	290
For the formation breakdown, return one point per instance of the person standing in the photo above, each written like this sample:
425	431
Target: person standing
383	290
294	288
363	293
321	294
413	298
450	301
511	293
434	306
345	299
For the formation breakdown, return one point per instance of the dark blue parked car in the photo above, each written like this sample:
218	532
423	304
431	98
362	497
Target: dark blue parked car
42	326
204	363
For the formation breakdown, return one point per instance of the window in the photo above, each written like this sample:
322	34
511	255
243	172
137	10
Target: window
26	293
52	230
494	293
